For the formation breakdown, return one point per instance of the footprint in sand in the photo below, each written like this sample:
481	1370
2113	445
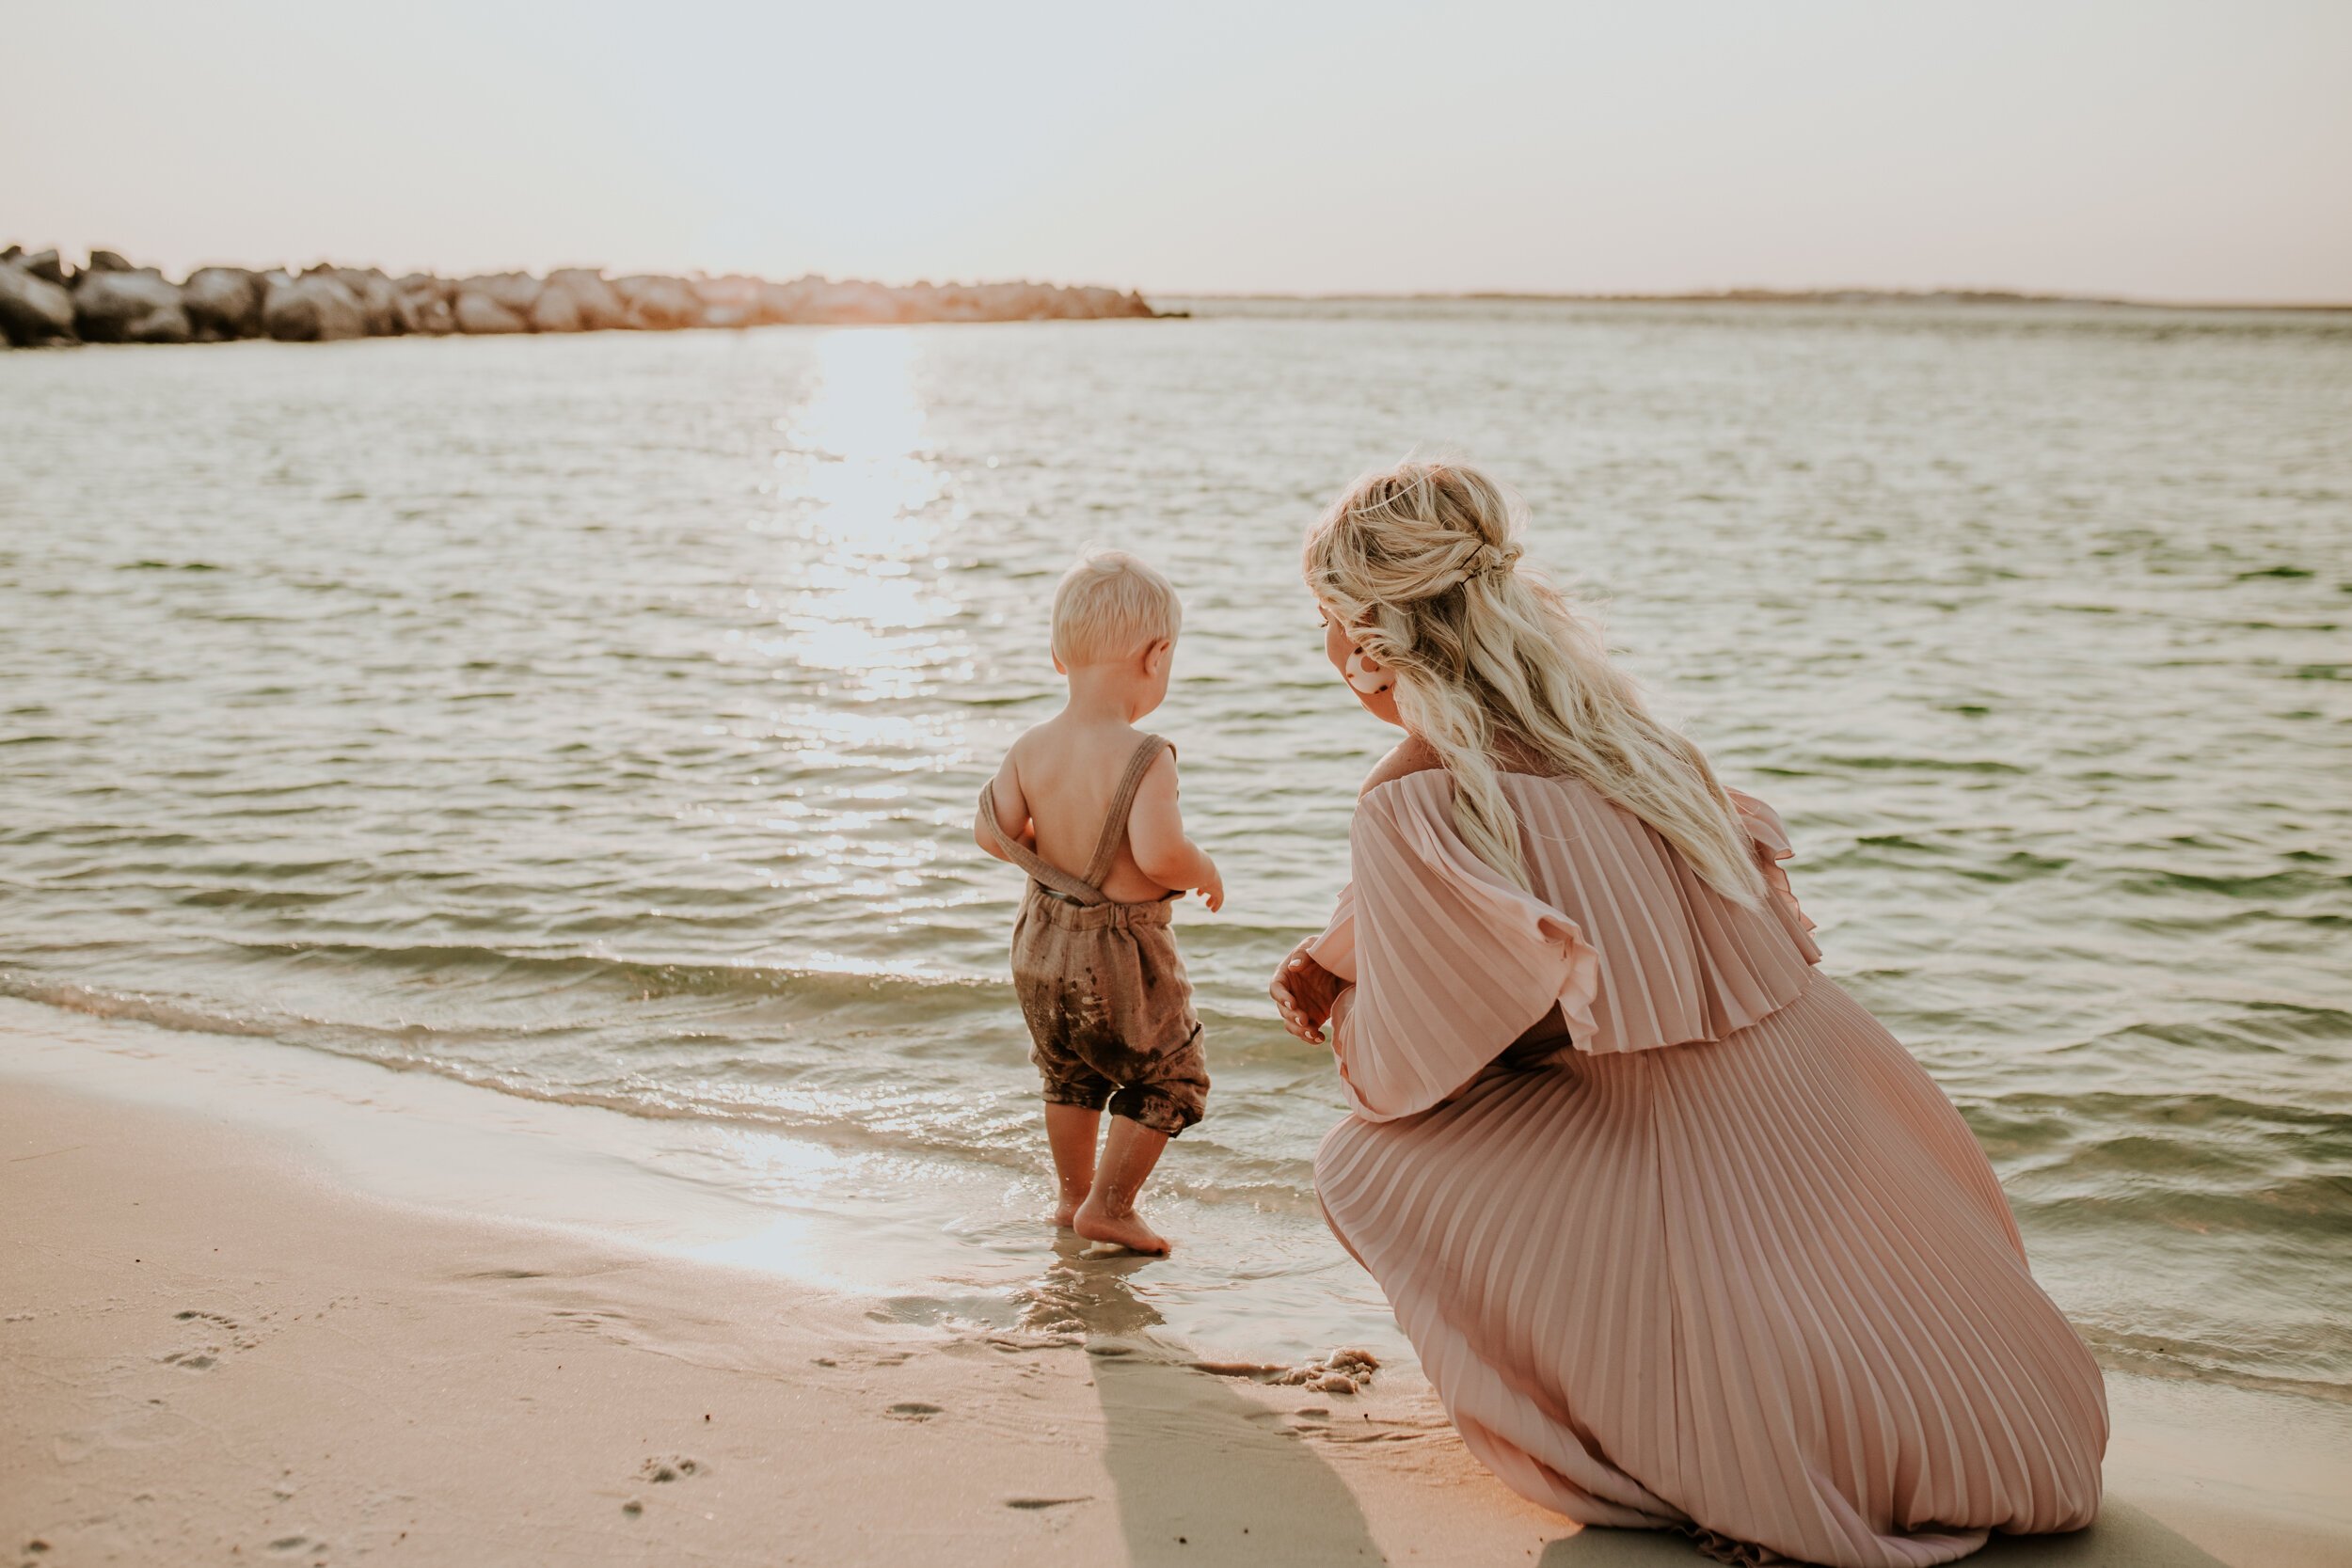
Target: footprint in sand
676	1467
914	1410
203	1358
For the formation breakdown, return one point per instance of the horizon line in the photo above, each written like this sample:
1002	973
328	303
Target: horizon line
1733	295
1754	296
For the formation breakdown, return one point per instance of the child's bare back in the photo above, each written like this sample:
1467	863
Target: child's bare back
1063	775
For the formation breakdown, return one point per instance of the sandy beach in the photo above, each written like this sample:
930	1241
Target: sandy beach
1743	927
257	1309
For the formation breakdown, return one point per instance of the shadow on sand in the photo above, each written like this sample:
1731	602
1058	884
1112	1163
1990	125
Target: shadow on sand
1203	1475
2124	1537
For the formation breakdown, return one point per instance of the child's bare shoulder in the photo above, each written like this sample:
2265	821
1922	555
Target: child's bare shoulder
1162	773
1038	741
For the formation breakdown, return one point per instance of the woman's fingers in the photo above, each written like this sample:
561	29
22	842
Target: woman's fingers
1293	1018
1295	970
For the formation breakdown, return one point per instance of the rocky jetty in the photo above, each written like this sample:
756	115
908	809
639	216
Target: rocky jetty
108	300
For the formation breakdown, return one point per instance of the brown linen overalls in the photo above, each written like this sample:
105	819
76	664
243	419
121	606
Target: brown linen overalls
1101	985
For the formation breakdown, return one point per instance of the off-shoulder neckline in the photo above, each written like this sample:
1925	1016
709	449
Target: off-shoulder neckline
1423	758
1440	768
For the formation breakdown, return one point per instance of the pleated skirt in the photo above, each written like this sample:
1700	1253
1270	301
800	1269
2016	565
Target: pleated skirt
1764	1290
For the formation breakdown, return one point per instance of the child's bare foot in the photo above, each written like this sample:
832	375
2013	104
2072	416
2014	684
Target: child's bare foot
1096	1222
1066	1212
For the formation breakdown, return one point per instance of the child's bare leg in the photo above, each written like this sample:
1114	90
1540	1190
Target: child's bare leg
1109	1211
1070	1132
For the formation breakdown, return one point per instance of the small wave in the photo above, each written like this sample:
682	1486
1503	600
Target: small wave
258	899
1264	1182
136	1006
2195	1360
2017	1123
1932	765
646	978
2265	886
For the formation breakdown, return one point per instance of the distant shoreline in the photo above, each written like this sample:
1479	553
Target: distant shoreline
1776	296
43	301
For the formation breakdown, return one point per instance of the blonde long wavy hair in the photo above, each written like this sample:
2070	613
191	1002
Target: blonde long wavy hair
1421	563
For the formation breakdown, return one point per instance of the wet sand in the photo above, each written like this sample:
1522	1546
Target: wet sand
216	1346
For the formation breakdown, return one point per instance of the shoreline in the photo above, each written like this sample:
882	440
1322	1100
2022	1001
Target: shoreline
279	1314
215	1348
1894	298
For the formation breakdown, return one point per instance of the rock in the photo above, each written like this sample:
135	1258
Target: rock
780	304
515	291
424	304
45	266
732	301
223	302
850	302
313	308
478	312
659	304
555	310
108	260
379	299
953	302
732	291
576	299
32	310
11	253
120	306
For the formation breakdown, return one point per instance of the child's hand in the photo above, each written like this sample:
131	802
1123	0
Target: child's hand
1211	885
1305	991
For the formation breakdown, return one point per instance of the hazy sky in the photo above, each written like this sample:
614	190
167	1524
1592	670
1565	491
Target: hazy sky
2139	146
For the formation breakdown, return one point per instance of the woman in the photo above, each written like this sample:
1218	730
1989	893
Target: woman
1683	1237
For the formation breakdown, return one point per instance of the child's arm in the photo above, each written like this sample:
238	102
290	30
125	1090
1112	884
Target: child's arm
1156	831
1013	811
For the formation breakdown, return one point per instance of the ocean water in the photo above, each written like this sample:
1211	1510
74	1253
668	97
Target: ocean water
600	719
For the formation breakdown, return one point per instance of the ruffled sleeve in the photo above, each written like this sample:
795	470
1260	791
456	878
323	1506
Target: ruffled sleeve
1335	949
1452	961
1771	837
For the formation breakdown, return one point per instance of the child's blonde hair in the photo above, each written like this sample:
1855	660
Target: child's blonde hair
1109	605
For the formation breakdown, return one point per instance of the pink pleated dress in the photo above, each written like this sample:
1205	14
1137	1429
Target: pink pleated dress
1723	1258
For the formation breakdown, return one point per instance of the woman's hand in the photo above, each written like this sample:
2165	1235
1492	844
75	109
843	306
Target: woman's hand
1304	991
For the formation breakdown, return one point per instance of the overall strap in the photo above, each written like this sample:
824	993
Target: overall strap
1122	802
1038	866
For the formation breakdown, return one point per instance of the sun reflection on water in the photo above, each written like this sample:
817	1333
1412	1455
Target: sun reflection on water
858	611
859	636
